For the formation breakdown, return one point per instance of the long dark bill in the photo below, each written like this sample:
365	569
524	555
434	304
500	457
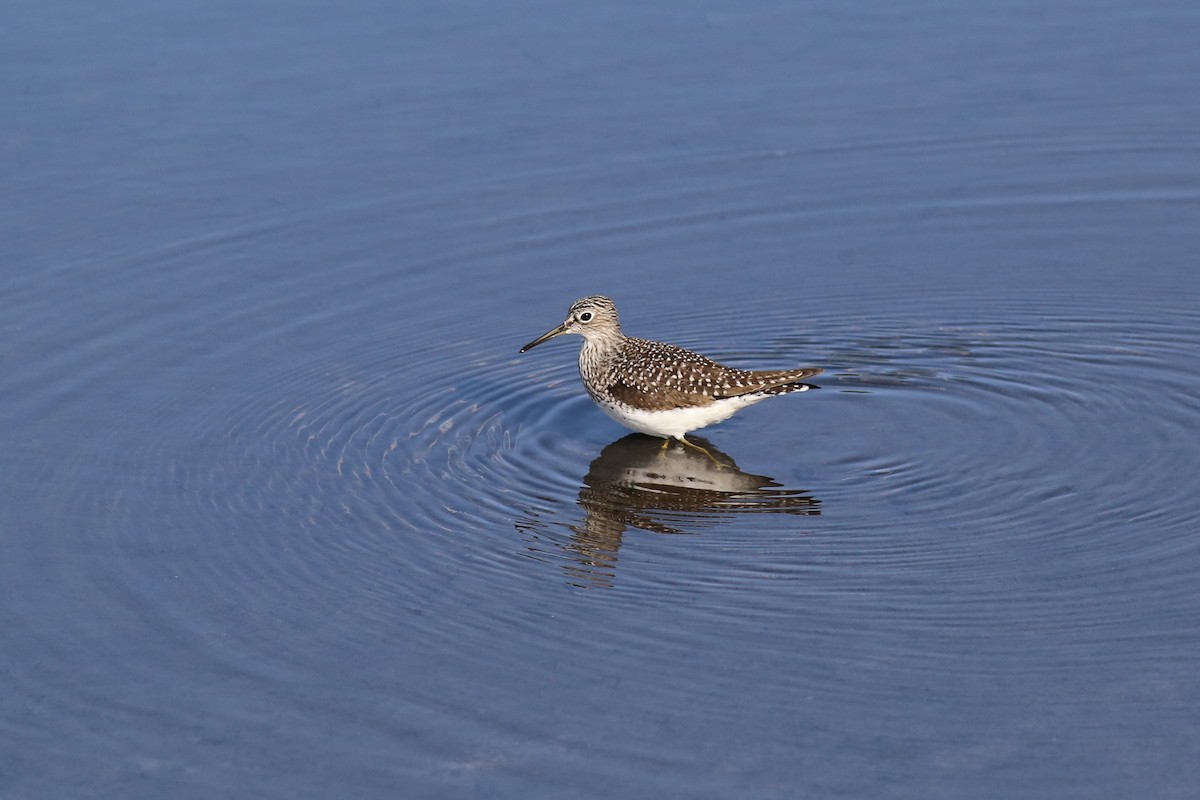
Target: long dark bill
561	329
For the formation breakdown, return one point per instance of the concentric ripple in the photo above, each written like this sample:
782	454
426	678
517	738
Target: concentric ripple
289	462
347	437
997	423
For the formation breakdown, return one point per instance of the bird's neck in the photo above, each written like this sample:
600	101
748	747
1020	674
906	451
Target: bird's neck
599	350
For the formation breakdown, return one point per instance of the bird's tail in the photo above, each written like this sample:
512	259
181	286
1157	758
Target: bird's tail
782	381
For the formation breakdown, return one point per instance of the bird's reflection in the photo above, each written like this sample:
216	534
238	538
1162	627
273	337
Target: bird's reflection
636	483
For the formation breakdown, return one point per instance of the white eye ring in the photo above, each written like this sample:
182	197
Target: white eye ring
585	316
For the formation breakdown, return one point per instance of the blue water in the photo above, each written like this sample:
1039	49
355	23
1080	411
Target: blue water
286	515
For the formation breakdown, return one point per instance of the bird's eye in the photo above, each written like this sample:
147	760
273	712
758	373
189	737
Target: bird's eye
585	316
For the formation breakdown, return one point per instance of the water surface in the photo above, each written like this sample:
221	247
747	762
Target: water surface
286	515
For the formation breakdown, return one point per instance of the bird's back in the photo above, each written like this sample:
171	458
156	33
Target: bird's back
653	375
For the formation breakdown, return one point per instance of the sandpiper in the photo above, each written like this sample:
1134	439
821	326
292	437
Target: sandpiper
658	388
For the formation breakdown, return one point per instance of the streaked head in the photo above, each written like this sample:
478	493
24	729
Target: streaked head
593	317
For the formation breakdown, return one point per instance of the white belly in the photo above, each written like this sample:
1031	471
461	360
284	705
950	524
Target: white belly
676	422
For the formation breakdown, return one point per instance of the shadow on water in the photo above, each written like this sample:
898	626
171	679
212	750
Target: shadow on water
638	483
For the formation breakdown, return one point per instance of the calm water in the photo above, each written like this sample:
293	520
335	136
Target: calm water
285	515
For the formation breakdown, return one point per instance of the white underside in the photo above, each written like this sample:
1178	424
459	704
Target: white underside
676	422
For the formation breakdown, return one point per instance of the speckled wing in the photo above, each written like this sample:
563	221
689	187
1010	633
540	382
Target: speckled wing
659	376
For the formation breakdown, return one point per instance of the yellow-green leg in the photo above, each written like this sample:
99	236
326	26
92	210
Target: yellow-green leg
695	446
